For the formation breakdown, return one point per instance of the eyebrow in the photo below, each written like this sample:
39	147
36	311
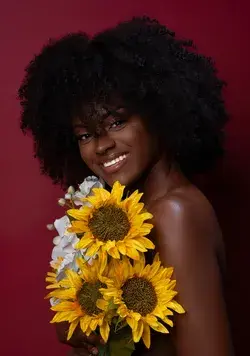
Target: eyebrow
109	112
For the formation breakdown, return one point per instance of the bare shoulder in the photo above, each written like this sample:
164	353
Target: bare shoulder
186	202
184	220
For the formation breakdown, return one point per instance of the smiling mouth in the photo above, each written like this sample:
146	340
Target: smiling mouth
114	165
114	161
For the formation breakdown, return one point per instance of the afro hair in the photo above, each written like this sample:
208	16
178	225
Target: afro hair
161	78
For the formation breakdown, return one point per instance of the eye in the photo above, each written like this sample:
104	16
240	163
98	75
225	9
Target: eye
84	138
117	124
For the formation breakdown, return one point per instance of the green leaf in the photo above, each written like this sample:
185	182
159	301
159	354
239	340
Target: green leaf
121	343
103	350
121	347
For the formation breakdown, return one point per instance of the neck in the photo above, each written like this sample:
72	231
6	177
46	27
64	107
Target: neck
159	180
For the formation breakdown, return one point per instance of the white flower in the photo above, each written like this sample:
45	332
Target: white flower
61	202
65	241
65	246
67	196
85	189
71	190
50	227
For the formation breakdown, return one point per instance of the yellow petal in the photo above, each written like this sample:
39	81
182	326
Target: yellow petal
134	198
51	274
146	216
94	248
101	193
60	316
63	306
133	209
72	328
64	294
145	242
146	337
121	247
136	316
110	292
157	257
140	264
84	324
122	311
135	244
74	279
53	286
101	304
176	307
103	260
133	253
93	324
113	252
117	192
154	269
151	320
109	244
137	333
84	242
79	214
168	321
169	272
159	312
132	323
160	328
104	330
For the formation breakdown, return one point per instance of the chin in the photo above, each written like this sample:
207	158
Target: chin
124	179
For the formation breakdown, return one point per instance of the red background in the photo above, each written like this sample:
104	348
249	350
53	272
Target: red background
220	28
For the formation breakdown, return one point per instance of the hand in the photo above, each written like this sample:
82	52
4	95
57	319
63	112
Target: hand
80	352
82	345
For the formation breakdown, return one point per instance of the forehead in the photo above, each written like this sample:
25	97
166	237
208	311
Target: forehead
94	114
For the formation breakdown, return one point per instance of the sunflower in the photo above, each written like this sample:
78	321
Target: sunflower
112	225
79	298
144	296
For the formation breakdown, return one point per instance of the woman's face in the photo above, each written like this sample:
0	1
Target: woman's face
116	146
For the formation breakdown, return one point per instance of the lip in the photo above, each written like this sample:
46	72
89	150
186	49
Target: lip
117	166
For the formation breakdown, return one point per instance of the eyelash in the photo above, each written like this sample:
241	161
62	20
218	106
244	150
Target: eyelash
83	137
118	123
86	137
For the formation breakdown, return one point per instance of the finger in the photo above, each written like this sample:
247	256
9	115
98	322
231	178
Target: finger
81	352
95	340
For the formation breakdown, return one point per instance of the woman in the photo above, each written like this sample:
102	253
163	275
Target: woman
137	105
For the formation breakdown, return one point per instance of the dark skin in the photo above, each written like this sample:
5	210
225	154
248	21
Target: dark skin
185	232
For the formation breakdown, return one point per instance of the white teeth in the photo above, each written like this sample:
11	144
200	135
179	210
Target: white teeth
114	161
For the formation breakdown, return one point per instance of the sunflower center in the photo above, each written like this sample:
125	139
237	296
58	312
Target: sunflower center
88	296
109	222
139	295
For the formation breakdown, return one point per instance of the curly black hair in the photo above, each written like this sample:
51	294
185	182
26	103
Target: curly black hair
161	78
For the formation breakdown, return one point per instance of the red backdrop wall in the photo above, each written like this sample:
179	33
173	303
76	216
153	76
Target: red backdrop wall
220	28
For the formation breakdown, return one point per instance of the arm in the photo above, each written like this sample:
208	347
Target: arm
185	235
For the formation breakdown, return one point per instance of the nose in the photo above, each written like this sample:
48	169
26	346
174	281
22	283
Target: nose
104	143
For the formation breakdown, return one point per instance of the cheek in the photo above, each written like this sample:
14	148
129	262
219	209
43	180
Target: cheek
142	143
85	153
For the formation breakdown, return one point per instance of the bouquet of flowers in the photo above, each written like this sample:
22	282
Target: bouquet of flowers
100	279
